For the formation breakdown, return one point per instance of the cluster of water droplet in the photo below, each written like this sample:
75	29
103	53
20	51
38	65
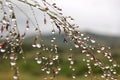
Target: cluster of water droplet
71	61
48	58
11	43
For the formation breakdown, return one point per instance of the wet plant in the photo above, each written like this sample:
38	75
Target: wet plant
11	40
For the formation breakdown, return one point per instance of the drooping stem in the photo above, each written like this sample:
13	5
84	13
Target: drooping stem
79	40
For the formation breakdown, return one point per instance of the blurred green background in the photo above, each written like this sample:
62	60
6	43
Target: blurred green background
30	70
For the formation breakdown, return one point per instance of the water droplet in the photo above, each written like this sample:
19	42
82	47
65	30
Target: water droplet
15	77
70	49
34	45
89	67
108	57
86	75
59	69
51	63
83	51
109	47
38	45
110	60
87	55
73	69
98	51
88	64
77	46
56	72
4	21
2	50
84	60
53	31
92	48
48	72
70	58
88	61
96	64
12	63
74	77
91	58
107	67
114	65
102	76
7	3
52	40
71	29
39	61
56	57
11	57
114	72
85	38
43	57
84	47
51	49
27	28
89	72
43	69
108	75
71	62
93	41
82	34
36	58
13	19
103	48
21	51
76	37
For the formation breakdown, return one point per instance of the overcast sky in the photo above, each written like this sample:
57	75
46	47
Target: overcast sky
101	16
98	16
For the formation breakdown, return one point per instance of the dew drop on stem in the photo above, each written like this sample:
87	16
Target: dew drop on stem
53	31
39	61
2	50
77	46
86	75
74	77
27	28
15	77
12	63
82	35
93	41
98	51
38	45
34	45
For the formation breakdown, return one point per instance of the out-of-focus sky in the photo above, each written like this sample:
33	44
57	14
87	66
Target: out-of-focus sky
97	16
101	16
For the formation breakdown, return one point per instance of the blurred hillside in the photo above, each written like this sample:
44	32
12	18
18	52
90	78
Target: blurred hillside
112	41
